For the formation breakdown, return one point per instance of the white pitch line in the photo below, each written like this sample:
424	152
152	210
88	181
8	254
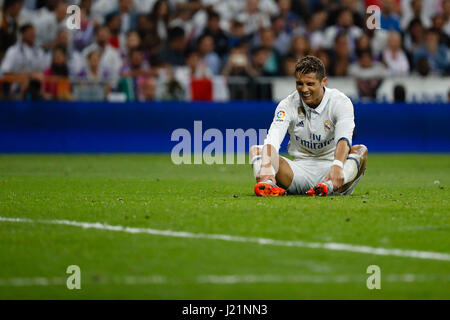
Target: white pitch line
224	280
333	246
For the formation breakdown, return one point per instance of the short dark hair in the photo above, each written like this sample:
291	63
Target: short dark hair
311	64
25	27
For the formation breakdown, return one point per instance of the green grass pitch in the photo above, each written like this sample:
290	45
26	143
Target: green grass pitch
396	205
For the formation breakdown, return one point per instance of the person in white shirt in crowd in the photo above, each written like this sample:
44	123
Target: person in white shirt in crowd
254	19
27	60
394	56
25	57
143	6
45	22
368	74
412	9
320	123
110	58
100	8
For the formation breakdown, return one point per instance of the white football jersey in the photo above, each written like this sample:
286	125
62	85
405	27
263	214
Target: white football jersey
314	133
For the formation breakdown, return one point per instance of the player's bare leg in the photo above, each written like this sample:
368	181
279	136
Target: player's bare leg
280	169
354	168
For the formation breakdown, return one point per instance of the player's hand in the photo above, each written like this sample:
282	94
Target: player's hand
336	176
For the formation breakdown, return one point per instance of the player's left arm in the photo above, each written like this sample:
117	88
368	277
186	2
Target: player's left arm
344	126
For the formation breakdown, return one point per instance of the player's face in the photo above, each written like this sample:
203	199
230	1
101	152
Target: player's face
310	88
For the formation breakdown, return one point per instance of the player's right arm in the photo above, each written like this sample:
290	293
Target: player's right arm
277	132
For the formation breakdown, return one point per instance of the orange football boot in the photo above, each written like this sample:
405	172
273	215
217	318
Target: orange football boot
320	190
265	189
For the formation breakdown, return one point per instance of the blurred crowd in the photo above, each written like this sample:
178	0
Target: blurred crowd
138	47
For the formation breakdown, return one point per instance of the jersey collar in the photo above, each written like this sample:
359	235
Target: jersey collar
321	106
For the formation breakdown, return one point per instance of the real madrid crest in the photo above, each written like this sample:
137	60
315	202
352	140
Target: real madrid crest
301	115
327	125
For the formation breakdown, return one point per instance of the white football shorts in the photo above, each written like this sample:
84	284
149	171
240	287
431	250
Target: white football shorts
309	172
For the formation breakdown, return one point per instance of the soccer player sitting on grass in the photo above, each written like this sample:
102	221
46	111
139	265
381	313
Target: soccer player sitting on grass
320	123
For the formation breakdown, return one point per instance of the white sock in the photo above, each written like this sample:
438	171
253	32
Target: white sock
351	168
256	164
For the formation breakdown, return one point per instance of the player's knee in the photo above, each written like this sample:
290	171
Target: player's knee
360	149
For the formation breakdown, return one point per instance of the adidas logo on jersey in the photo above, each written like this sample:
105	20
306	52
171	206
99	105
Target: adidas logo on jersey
300	124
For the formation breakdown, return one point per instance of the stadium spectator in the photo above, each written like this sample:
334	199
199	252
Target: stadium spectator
289	63
133	41
151	42
353	7
260	57
199	16
314	29
205	45
414	38
282	37
213	29
114	24
197	68
323	55
9	24
272	67
47	20
238	63
101	8
173	53
237	35
143	6
135	65
345	26
438	22
27	62
394	57
59	23
86	6
300	47
435	53
183	19
416	12
74	57
254	19
160	16
368	74
363	43
127	15
446	15
291	18
389	19
147	89
109	57
56	77
94	72
85	36
341	59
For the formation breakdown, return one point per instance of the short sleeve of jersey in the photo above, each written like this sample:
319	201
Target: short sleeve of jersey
279	126
344	120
